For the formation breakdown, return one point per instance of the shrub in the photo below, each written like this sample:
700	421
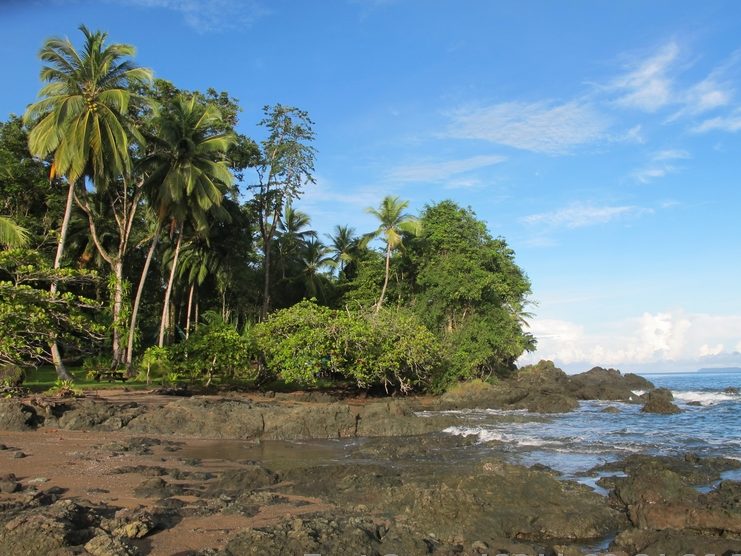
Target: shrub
298	342
215	350
11	375
390	349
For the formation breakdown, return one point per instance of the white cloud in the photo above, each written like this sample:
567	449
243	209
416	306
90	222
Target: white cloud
438	171
207	15
730	123
648	85
660	164
540	127
672	340
580	215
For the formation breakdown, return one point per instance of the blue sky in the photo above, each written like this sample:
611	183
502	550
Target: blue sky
600	138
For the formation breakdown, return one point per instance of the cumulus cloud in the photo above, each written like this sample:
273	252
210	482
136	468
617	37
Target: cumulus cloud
580	215
671	340
541	127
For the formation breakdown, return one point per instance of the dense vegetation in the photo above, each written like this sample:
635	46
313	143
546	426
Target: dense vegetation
140	231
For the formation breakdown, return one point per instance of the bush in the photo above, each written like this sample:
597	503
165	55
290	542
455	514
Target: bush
155	363
11	375
391	349
215	350
298	342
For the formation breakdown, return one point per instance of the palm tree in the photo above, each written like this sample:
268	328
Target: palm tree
344	245
187	176
11	234
293	232
393	223
80	119
314	257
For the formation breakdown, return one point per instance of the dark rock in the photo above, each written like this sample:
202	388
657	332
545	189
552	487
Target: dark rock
538	388
660	401
237	481
491	500
47	529
222	418
670	541
16	416
93	415
157	487
606	384
19	455
660	493
611	409
731	390
695	404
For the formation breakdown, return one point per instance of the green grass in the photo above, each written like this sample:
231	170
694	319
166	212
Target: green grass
43	378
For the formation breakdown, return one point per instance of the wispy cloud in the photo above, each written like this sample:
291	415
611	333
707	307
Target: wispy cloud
730	122
207	16
647	85
541	127
660	164
581	215
439	171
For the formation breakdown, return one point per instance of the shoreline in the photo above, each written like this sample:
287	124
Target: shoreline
137	491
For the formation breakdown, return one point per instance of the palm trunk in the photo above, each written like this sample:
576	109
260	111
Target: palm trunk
190	309
168	291
138	298
117	306
56	356
386	278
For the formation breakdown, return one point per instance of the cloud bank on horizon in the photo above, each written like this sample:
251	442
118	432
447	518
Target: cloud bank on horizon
670	341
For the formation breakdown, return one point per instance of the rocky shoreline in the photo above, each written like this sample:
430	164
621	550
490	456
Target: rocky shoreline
129	473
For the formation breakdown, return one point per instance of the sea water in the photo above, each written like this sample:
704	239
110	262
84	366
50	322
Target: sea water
574	442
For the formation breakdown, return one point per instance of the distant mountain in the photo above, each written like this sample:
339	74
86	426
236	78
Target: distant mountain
720	370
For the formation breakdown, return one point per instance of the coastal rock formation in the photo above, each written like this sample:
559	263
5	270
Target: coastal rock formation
667	512
659	401
487	501
544	388
16	416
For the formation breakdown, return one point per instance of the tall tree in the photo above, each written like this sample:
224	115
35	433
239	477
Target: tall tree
314	257
344	245
187	173
286	165
393	223
293	233
80	120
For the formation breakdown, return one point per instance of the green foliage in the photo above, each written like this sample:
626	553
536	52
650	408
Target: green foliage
308	342
11	375
215	350
64	389
297	342
155	363
469	290
31	316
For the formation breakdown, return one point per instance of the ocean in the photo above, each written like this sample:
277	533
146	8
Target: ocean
573	443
